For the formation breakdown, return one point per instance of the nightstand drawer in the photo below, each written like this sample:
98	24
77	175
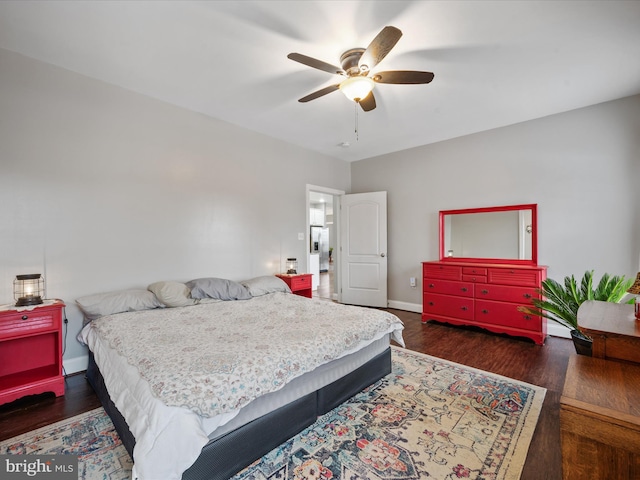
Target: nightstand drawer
27	322
301	282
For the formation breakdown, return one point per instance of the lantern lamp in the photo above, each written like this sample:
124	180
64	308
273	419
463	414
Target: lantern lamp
292	266
28	289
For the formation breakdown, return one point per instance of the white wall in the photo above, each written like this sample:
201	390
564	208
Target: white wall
102	189
582	168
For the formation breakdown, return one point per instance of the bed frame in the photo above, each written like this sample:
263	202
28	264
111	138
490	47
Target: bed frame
225	456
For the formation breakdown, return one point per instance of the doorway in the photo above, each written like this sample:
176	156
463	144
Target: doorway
322	234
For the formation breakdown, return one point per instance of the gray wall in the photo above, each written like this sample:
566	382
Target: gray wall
582	168
102	189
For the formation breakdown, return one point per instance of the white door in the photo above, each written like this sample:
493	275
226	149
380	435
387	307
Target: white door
363	244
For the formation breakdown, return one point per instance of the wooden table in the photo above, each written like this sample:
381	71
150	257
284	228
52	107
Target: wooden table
600	420
613	328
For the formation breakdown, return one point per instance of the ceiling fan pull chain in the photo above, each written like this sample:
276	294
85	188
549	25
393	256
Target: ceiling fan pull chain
356	120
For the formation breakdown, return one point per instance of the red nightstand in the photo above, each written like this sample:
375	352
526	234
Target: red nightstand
31	351
299	283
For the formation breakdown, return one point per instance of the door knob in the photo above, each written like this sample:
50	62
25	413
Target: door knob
382	254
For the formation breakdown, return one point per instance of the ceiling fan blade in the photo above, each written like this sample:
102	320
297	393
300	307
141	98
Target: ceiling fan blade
379	48
405	77
315	63
368	103
319	93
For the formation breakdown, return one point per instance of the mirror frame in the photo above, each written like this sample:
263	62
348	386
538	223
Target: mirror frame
534	234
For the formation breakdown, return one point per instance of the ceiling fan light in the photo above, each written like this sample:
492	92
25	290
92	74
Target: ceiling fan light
357	88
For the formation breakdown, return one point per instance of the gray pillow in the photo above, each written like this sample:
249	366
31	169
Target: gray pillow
101	304
218	288
172	294
267	284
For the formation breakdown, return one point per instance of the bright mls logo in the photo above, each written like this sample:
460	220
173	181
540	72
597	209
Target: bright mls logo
50	467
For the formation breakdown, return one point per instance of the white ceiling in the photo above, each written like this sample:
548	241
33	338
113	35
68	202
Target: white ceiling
495	62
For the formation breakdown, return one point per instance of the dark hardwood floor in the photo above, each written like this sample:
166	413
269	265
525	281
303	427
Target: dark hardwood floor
520	359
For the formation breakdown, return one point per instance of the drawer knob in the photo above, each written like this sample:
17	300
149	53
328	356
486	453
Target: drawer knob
464	289
25	317
431	285
484	291
527	317
527	295
431	304
485	311
464	309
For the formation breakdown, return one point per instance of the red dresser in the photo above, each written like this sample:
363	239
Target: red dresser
484	295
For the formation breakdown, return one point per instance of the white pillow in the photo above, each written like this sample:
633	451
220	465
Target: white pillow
267	284
172	294
101	304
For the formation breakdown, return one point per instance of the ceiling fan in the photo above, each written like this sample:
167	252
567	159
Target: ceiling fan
357	64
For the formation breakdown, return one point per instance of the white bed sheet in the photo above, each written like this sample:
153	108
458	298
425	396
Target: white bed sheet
156	426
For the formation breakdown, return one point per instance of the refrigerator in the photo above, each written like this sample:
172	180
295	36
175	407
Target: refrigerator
320	245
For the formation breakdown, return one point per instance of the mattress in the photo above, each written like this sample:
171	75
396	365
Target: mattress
156	425
303	385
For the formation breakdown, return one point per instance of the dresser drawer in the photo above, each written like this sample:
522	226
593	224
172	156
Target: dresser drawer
520	295
447	287
513	276
301	282
445	272
474	271
448	305
27	322
474	278
507	314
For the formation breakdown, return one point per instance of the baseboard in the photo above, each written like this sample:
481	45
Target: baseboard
556	330
75	365
409	307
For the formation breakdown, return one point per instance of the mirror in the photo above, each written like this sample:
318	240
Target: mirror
505	234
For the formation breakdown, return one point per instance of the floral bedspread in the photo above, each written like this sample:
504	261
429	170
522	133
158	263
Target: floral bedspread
217	357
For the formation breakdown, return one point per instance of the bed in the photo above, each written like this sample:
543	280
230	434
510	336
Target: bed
201	382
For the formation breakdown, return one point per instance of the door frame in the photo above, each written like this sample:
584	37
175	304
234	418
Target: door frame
336	222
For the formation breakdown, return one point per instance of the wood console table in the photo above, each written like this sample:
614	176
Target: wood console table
600	420
613	328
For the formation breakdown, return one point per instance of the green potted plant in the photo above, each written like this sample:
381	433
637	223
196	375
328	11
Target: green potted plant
560	302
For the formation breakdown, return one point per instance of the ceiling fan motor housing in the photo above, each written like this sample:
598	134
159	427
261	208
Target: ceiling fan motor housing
349	61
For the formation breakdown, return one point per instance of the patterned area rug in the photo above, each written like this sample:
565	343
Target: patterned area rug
429	418
90	436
